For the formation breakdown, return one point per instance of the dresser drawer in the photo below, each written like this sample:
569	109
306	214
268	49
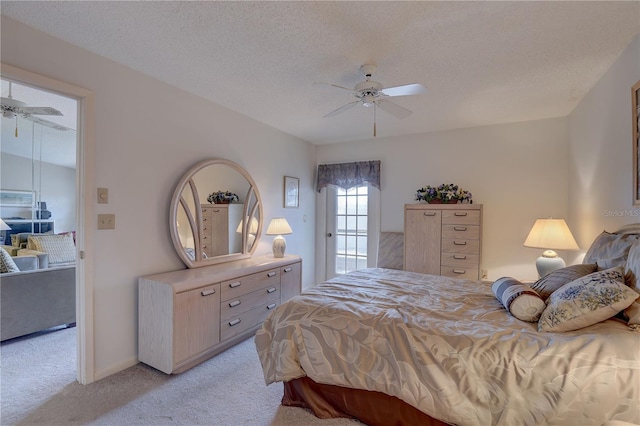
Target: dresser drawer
458	272
467	232
243	285
461	217
457	246
460	259
237	324
235	306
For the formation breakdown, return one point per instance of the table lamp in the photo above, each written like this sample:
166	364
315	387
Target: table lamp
550	234
279	226
251	232
3	227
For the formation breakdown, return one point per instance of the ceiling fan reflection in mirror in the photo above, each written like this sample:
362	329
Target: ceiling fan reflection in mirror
13	108
370	93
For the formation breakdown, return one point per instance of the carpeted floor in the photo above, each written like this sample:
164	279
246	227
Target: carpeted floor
38	387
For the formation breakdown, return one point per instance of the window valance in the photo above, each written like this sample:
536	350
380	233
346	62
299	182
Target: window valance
348	175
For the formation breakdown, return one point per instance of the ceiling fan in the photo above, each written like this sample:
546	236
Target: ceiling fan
371	93
12	108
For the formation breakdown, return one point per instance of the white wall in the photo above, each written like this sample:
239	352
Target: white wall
57	189
148	134
517	171
600	152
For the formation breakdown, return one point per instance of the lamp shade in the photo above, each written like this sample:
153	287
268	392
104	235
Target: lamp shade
279	226
253	226
551	234
4	226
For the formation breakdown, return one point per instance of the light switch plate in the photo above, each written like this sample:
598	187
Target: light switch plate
103	195
106	221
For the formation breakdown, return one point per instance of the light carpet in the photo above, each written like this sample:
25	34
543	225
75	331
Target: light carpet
38	387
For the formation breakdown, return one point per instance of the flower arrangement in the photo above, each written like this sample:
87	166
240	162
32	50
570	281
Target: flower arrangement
445	193
222	197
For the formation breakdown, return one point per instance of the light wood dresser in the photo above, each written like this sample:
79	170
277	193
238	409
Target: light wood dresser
443	239
190	315
218	228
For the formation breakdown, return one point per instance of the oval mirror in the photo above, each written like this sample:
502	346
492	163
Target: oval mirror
216	214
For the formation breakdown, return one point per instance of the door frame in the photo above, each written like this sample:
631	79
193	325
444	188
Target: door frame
85	195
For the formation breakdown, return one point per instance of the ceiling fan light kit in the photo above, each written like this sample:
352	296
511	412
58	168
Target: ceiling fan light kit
371	93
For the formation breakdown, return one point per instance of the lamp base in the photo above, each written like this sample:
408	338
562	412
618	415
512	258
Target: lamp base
549	262
279	245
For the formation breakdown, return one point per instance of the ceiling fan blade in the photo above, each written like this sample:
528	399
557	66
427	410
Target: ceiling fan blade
334	86
394	109
342	108
407	89
47	123
40	110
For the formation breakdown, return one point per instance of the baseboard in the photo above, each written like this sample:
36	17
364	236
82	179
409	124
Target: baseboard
116	368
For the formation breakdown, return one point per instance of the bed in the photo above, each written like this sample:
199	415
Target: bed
392	347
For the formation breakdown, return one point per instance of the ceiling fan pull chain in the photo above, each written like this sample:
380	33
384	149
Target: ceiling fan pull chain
16	123
375	109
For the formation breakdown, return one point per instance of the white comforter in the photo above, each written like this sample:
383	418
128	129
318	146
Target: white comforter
450	349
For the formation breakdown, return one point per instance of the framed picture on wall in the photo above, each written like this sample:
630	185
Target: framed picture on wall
11	198
291	192
635	109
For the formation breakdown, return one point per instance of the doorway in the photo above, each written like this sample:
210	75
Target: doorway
352	223
83	193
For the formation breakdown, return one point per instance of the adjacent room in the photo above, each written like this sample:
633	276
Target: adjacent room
429	210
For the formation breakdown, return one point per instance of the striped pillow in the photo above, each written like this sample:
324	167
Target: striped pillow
60	248
556	279
519	299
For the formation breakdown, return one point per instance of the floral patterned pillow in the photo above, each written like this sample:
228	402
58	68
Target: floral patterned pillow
587	301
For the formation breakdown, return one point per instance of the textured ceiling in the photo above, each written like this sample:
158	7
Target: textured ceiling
482	62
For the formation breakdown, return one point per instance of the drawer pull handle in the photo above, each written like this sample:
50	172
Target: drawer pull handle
208	292
459	228
429	213
459	243
216	211
271	290
234	322
458	271
460	214
235	284
288	269
459	256
271	274
271	306
204	219
234	303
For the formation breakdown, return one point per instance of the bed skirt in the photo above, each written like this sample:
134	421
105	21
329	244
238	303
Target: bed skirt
372	408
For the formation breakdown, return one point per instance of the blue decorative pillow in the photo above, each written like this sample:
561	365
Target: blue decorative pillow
587	301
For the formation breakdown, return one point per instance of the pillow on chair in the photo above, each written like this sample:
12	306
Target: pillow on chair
60	248
6	262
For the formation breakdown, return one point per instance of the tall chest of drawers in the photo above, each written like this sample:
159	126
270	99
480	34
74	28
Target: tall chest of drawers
188	316
443	239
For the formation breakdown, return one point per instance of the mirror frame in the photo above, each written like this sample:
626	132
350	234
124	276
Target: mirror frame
194	222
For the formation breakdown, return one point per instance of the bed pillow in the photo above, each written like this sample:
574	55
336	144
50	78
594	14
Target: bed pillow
60	248
632	268
610	250
587	301
556	279
519	299
6	262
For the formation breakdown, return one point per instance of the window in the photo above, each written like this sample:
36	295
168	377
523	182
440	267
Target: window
351	228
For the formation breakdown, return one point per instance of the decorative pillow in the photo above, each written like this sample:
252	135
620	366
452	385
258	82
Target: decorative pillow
587	301
59	247
610	250
6	262
556	279
519	299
